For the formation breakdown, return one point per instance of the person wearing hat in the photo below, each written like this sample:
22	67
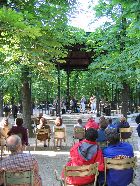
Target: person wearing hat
117	149
85	152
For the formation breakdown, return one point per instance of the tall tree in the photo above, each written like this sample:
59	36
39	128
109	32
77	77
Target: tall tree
116	45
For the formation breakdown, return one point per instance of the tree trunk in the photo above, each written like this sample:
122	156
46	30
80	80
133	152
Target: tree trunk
26	98
1	103
125	99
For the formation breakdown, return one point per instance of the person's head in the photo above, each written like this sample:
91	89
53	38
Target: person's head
110	121
122	119
79	121
91	134
103	124
102	118
14	143
43	121
40	115
58	121
113	137
19	121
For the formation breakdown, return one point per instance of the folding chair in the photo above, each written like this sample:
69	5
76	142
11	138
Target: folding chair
18	178
59	134
125	131
74	171
79	133
42	135
119	164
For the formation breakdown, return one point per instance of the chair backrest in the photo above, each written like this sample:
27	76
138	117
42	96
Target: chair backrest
18	178
120	164
125	133
42	134
59	133
85	170
79	133
125	129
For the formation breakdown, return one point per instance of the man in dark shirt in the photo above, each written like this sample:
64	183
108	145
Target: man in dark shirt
20	130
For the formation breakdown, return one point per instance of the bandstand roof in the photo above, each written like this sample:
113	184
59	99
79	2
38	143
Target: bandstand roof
77	58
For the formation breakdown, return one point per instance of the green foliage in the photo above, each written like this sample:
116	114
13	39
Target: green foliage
110	62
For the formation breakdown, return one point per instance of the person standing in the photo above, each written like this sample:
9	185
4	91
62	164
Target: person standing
83	104
14	111
6	111
19	161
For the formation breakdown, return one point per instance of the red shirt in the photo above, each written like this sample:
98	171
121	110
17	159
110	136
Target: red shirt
78	160
91	124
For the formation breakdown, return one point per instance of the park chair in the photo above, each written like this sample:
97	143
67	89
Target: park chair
59	134
79	133
43	135
74	171
18	178
125	131
119	164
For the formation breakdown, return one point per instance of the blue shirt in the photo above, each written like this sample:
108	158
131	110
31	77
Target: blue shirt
119	177
101	135
138	130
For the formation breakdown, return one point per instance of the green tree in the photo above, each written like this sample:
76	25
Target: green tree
116	46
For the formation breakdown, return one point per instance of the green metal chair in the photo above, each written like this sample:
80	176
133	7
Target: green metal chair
81	171
18	178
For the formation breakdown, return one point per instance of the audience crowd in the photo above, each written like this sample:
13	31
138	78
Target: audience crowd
86	151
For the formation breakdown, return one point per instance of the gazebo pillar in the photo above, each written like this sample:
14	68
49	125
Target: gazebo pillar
68	87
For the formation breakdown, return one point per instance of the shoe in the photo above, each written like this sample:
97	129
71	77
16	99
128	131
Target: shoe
45	145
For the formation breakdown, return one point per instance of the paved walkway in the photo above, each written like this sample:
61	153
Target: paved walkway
50	159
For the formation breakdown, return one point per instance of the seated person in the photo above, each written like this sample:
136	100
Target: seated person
138	122
20	129
18	160
79	125
101	133
124	124
3	137
59	124
91	123
85	152
43	125
39	117
5	126
111	125
117	149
